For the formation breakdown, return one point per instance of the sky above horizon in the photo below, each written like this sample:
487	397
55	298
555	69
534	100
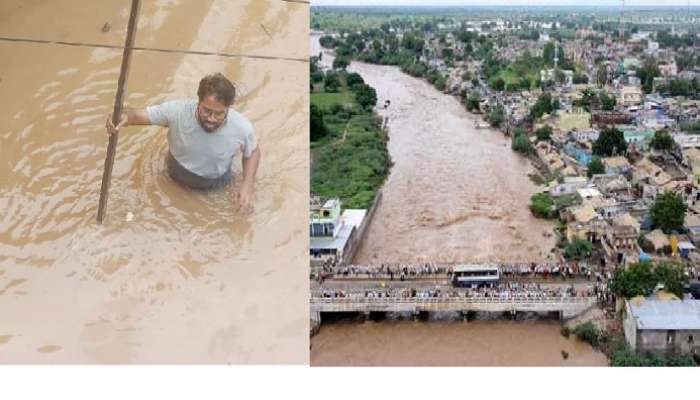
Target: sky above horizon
628	3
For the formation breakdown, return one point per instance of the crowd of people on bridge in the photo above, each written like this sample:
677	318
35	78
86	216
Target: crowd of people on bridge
385	271
401	272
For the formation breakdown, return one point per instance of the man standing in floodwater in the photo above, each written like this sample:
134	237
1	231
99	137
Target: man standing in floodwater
203	137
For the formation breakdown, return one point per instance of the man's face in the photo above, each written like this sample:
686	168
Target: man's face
211	113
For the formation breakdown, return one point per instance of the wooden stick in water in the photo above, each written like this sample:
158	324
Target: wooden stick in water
116	114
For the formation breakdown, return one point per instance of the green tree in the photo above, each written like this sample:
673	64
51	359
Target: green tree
544	133
578	249
541	205
611	141
661	141
472	102
512	87
327	42
548	54
341	62
318	127
607	102
647	73
681	87
498	84
672	276
413	41
525	83
331	82
589	333
542	106
668	212
638	280
596	166
497	116
366	96
521	143
353	79
580	78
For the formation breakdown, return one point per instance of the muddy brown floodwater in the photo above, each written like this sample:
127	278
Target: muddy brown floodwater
455	194
173	276
477	343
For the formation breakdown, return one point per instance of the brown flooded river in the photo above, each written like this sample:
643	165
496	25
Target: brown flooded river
173	276
455	194
476	343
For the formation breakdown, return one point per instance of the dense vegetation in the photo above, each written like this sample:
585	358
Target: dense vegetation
596	166
611	142
668	212
542	205
350	156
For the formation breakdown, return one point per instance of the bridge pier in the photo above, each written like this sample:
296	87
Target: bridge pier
315	316
315	322
510	314
421	315
376	315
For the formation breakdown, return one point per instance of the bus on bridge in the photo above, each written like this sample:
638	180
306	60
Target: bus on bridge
475	276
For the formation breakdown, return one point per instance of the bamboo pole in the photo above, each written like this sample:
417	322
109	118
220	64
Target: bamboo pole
116	114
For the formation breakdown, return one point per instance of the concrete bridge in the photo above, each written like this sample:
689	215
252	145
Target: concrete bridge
567	307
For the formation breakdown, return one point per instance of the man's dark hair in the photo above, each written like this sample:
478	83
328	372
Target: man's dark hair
218	86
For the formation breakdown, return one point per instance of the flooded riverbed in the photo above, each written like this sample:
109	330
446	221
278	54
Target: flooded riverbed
172	275
455	193
437	343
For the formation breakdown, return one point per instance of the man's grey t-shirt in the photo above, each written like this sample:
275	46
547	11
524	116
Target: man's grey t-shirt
208	155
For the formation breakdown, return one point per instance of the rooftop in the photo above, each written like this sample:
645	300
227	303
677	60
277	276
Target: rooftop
663	315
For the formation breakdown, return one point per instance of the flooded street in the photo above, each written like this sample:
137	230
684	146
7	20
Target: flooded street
173	276
436	343
455	193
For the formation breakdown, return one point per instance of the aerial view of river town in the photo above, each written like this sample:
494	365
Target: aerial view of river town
170	274
505	186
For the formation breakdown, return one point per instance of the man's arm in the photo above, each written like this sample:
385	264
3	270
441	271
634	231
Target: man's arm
250	169
130	116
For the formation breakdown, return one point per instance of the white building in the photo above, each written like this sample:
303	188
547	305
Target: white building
333	235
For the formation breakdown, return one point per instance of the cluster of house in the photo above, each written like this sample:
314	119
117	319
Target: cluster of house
613	208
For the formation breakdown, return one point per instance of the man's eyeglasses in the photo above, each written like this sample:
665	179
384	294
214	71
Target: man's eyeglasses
218	115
